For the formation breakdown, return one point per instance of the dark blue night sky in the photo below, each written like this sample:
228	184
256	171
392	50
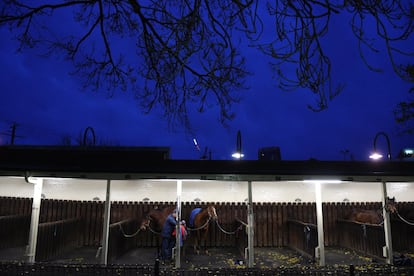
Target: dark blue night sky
46	102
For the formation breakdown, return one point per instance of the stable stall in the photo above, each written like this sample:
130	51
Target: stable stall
99	203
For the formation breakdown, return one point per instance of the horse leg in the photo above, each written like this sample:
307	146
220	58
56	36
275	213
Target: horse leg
204	241
196	243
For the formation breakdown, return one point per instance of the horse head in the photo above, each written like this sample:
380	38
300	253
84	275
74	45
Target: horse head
391	205
155	218
145	223
212	212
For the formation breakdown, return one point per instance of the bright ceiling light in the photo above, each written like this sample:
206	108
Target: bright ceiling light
323	181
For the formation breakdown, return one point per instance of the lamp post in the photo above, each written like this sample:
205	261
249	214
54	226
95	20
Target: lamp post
238	154
387	249
376	155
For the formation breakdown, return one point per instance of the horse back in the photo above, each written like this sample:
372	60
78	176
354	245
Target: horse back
366	216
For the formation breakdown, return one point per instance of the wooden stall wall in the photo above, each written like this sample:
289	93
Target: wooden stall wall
270	220
333	211
15	206
90	214
15	214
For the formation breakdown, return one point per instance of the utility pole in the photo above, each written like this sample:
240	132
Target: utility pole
12	133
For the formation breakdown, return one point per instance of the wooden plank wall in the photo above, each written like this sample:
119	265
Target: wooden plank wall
271	228
303	237
57	237
15	206
363	238
14	230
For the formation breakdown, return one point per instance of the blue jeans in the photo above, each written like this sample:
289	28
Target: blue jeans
167	245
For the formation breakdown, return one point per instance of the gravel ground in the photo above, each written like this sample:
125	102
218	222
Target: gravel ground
265	258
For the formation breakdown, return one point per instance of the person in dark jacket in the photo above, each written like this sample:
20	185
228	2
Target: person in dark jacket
168	240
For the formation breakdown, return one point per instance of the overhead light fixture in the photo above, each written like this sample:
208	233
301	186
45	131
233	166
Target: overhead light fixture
237	155
376	155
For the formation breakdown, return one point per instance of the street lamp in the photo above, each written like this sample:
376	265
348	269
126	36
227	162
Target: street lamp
376	155
238	154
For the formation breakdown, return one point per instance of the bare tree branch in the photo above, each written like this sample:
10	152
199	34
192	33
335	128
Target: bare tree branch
174	54
301	25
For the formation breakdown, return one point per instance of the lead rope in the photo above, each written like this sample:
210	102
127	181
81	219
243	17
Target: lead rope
128	235
153	231
403	219
228	232
201	227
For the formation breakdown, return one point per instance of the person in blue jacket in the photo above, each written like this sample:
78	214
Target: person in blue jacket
168	240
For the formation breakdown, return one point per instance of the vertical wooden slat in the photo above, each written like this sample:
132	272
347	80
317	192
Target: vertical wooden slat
282	225
278	219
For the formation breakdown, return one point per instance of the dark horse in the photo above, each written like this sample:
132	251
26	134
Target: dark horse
155	218
199	221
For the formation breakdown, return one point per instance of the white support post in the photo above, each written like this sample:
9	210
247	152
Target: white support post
105	231
320	250
34	224
250	223
387	250
178	226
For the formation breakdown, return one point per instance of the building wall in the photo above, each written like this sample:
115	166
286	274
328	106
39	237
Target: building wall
205	190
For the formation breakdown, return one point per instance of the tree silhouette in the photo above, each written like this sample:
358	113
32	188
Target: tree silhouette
404	112
188	50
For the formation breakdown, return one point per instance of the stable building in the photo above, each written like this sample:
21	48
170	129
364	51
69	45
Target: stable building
95	196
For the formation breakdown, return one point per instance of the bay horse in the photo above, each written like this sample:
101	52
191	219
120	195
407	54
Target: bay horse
199	222
154	219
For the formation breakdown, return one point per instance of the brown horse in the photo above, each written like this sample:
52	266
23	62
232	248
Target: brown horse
366	216
155	218
372	216
200	223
